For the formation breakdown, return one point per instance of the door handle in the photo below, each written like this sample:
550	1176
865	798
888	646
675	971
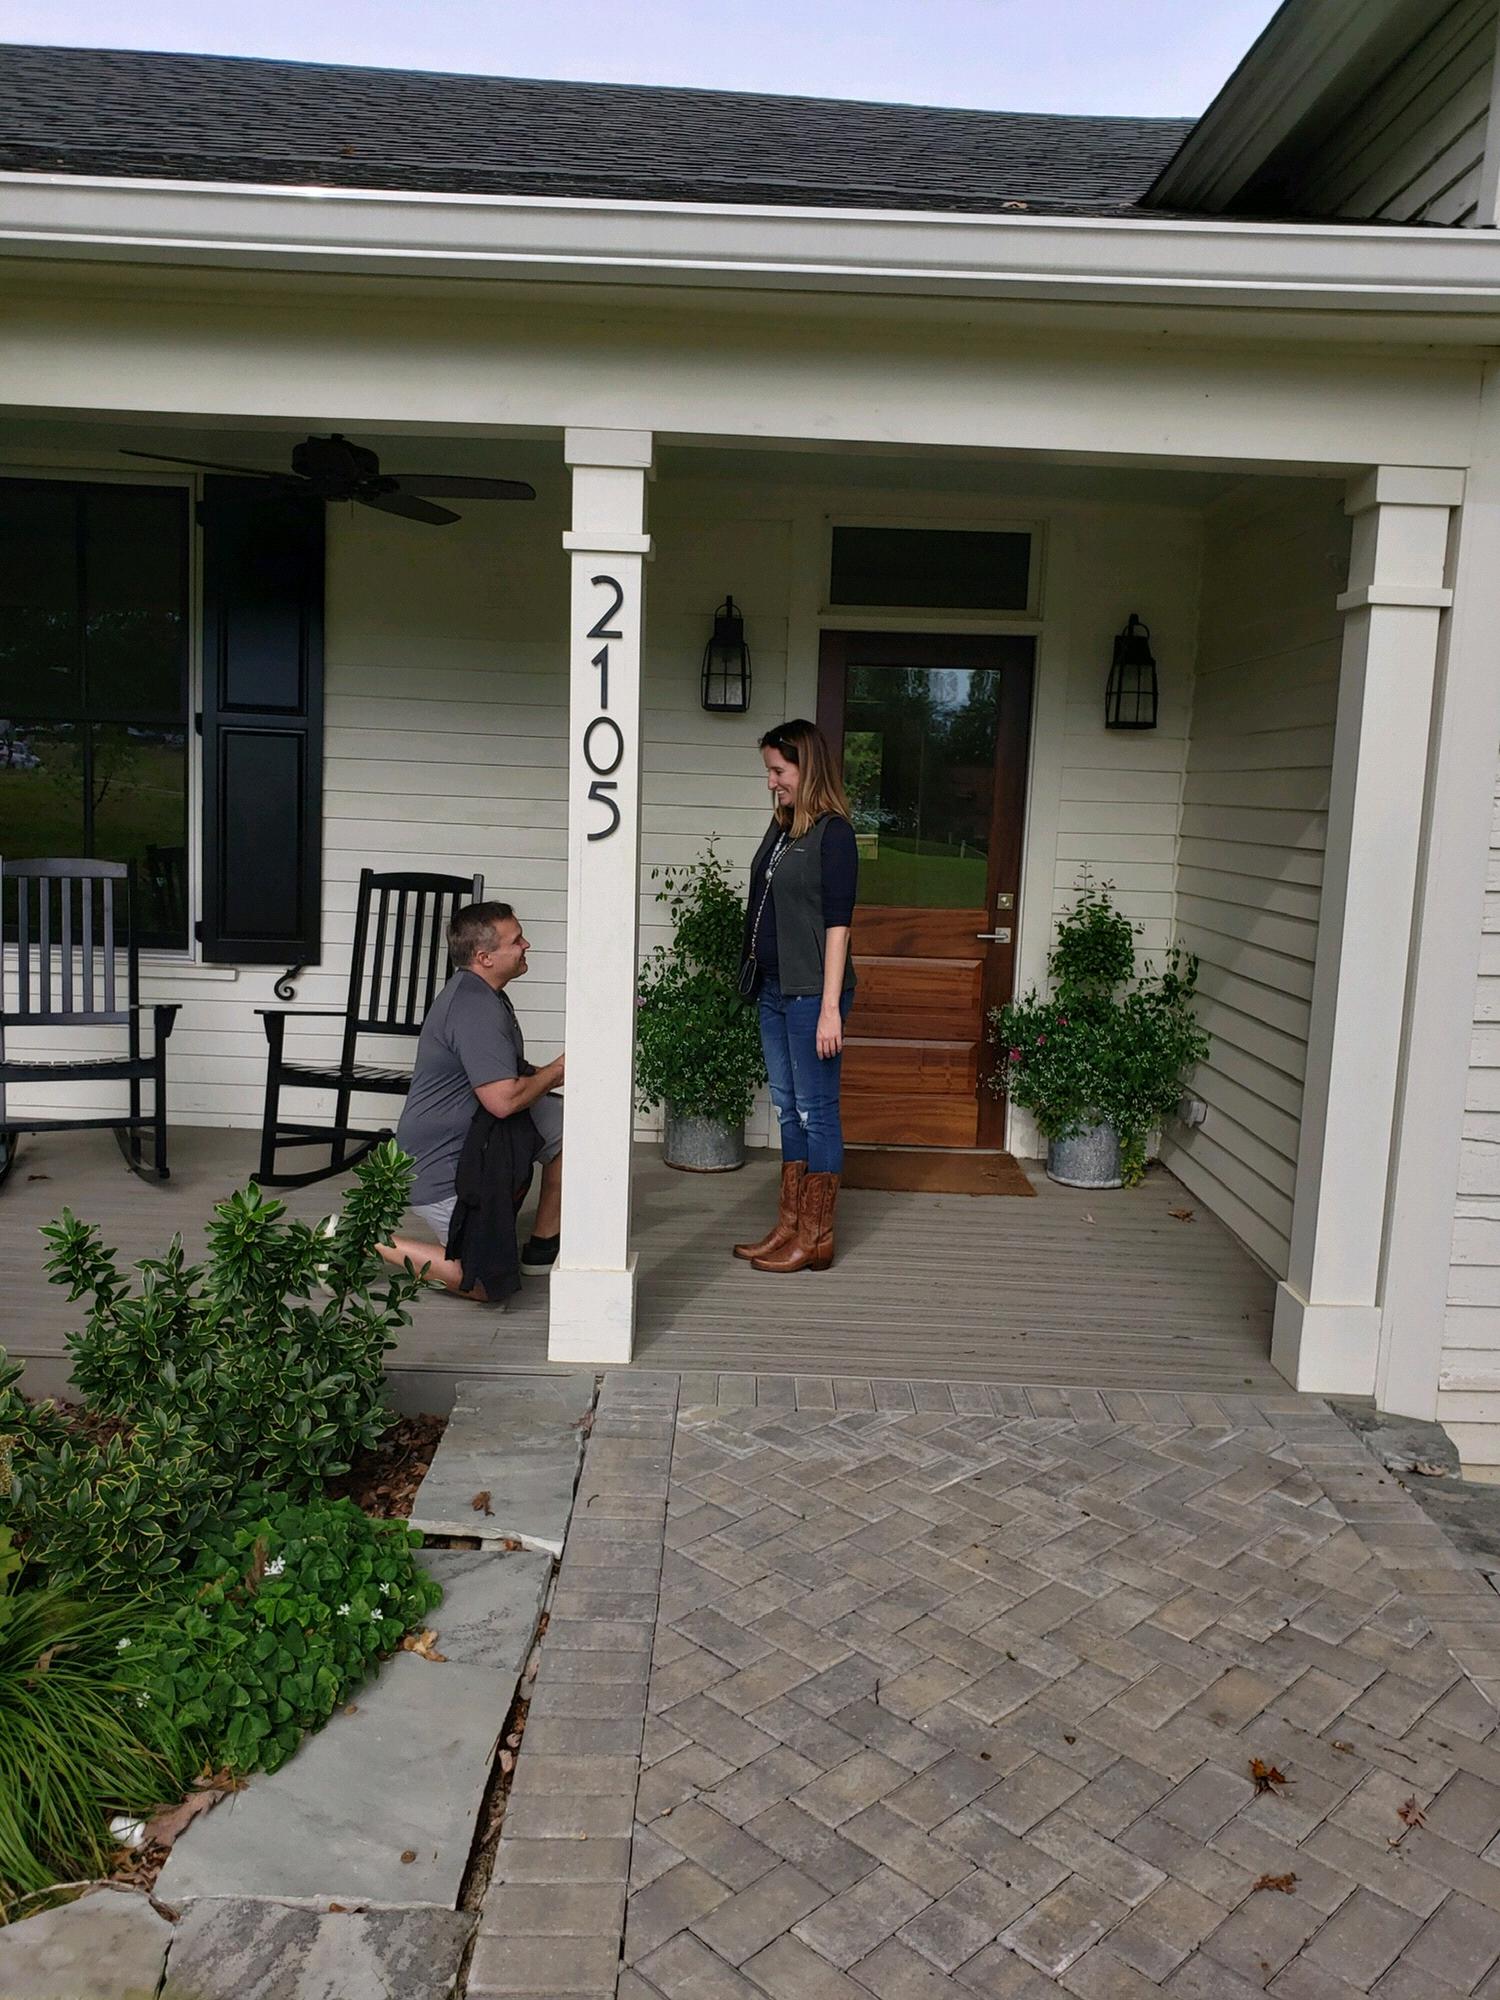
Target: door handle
993	937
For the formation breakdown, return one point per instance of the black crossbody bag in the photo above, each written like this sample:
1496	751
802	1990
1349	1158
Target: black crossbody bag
750	973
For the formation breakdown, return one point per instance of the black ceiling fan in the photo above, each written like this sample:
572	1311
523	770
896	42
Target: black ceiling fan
335	468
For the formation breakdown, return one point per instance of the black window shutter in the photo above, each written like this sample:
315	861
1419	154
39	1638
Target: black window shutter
262	723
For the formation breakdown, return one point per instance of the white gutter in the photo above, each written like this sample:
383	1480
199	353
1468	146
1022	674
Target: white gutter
1154	261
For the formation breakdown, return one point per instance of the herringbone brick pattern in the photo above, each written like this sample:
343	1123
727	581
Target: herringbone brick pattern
967	1691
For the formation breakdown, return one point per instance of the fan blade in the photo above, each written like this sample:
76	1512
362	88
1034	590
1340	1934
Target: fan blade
206	464
408	505
442	486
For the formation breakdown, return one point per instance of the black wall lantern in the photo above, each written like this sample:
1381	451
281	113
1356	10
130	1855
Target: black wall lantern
1131	697
726	664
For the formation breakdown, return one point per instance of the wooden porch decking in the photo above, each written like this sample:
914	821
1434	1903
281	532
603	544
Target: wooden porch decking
1097	1291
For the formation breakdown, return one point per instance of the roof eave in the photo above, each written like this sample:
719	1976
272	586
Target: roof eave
1144	259
1314	59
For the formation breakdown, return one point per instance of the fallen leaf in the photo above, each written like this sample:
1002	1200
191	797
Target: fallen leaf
1284	1884
1181	1214
252	1577
166	1826
1267	1777
424	1645
410	1854
481	1502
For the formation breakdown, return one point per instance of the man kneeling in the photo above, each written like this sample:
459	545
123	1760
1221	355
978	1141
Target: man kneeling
471	1053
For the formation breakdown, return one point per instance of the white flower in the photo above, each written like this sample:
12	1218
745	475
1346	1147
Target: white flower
276	1566
343	1611
121	1645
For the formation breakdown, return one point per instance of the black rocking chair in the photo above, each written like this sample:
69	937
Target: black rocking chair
66	922
398	962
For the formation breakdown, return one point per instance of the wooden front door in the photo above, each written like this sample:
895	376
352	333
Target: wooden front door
932	731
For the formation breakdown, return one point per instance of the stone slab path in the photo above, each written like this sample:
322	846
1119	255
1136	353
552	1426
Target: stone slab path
401	1773
105	1946
516	1439
941	1689
246	1950
404	1774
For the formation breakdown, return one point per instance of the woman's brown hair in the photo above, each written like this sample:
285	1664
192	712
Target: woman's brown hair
822	789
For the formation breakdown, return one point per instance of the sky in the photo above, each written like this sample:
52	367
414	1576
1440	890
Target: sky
1154	58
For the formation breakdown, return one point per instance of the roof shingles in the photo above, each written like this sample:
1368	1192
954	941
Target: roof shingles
220	118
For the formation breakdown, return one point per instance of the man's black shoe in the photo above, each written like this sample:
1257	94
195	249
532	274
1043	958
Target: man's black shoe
539	1256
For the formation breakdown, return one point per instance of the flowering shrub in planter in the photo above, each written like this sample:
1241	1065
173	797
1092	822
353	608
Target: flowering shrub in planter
1093	1054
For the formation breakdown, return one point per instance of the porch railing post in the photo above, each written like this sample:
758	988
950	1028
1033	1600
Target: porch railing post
592	1316
1327	1323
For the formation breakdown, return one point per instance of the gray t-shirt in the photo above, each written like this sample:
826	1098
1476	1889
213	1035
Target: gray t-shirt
471	1037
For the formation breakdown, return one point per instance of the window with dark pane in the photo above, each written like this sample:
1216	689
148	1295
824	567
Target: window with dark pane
931	569
94	722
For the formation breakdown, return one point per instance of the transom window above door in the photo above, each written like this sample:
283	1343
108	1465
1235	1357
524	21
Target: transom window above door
94	721
985	570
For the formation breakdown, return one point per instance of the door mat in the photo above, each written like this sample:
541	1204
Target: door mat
901	1170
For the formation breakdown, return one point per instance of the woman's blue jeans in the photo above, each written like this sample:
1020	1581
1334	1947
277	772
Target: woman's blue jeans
804	1085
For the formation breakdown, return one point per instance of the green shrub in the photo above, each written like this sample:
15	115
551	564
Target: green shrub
697	1042
287	1609
1092	1055
118	1515
81	1737
244	1353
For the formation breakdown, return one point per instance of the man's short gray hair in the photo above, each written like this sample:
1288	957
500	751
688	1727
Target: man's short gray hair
473	930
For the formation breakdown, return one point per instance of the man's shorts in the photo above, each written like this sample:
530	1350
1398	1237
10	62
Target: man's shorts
547	1116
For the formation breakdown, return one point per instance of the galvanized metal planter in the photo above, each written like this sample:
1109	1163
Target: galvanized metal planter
1089	1159
702	1145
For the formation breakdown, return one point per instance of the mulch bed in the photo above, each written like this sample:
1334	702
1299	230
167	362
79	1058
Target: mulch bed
384	1481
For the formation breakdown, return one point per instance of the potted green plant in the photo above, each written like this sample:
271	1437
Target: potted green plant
1101	1064
697	1041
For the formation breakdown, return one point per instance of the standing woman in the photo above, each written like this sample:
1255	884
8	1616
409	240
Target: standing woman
797	919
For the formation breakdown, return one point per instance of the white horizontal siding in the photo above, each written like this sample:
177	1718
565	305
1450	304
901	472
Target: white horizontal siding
1469	1377
1413	148
1250	853
1121	790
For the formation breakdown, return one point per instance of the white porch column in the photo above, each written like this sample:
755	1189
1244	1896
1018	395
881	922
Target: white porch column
593	1284
1327	1325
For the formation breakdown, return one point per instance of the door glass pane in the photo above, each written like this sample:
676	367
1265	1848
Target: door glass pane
41	790
40	659
135	596
140	815
919	765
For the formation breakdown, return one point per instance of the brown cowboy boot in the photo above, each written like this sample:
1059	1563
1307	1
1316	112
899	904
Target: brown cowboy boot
811	1249
793	1173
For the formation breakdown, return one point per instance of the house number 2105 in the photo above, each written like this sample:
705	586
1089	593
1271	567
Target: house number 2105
603	739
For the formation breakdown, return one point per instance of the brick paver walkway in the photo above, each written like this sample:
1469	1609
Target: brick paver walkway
964	1690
